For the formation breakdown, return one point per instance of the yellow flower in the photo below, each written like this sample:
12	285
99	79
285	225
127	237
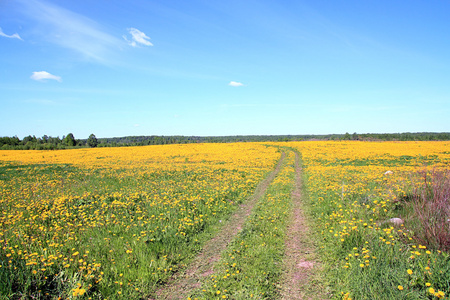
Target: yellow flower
431	290
400	288
78	292
409	271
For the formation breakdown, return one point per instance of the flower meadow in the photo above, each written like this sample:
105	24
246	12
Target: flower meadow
355	190
251	267
117	223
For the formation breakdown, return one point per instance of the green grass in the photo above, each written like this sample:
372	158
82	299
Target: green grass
251	266
114	234
365	256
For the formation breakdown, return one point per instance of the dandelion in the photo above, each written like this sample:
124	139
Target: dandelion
78	292
400	288
409	271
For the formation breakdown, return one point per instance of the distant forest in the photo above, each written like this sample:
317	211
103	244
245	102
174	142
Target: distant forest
69	141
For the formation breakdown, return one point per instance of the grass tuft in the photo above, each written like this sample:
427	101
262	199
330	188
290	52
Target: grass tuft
429	209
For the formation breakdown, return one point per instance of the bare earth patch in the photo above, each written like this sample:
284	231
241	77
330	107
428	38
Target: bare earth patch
202	266
299	261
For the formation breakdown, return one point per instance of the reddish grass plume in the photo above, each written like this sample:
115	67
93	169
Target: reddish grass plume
431	209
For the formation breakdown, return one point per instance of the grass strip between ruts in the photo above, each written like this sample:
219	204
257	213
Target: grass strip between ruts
251	267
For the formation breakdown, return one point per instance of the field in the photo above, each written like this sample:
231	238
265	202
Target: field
354	190
131	222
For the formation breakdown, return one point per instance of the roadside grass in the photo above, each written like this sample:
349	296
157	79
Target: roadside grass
251	267
365	255
316	285
118	229
105	224
426	208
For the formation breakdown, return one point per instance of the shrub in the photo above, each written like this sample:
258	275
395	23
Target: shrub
430	209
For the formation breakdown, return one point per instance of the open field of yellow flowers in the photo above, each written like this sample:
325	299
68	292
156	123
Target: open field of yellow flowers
251	266
115	222
356	189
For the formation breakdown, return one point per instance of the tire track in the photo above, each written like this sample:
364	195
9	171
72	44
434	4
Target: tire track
299	261
181	284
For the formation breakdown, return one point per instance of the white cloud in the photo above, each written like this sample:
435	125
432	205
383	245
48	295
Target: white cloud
42	76
70	30
137	37
12	36
235	83
41	101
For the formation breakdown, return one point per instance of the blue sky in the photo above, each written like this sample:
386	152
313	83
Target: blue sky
117	68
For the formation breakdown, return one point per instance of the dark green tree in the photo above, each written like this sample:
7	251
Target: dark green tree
29	139
92	141
69	140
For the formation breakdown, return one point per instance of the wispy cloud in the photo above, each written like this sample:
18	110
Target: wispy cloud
12	36
41	101
226	106
137	37
71	30
43	76
235	83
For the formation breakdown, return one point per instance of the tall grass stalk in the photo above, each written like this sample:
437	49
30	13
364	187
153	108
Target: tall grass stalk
431	208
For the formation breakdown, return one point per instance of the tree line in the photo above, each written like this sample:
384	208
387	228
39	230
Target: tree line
69	141
47	142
